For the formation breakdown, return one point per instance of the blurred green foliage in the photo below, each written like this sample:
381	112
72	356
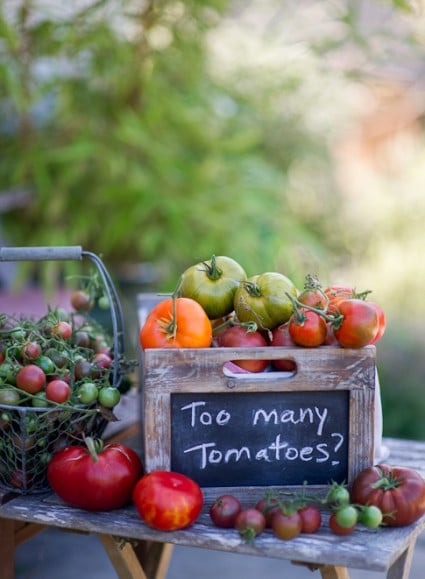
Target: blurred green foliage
135	144
135	151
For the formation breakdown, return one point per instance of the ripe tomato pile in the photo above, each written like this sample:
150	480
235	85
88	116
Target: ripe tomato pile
217	304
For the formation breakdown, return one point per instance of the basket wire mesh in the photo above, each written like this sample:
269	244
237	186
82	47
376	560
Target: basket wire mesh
30	435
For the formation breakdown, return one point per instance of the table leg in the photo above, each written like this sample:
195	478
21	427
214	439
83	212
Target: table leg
400	569
7	549
154	557
334	572
143	560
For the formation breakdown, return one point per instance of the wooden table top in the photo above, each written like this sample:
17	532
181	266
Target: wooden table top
363	549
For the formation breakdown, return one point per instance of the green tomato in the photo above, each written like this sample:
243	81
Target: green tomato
109	396
213	284
9	396
8	373
371	516
338	496
346	516
87	393
263	299
103	303
46	364
39	400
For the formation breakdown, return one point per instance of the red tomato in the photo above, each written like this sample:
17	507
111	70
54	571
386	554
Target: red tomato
359	325
337	293
337	529
58	391
399	492
168	501
307	328
62	329
31	351
312	294
311	519
250	523
286	526
224	511
95	481
187	327
31	378
81	301
281	337
268	506
240	337
382	322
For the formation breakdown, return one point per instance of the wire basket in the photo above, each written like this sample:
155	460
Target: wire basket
29	434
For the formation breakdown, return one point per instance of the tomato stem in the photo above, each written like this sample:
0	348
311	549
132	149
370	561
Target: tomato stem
212	271
386	482
335	319
94	447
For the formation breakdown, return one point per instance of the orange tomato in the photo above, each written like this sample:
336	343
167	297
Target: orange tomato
176	323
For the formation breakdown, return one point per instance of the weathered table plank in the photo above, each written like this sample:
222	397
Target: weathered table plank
364	549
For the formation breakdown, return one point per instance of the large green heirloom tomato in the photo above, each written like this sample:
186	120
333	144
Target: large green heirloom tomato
213	284
263	299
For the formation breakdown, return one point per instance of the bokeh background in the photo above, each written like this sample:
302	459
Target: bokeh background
287	135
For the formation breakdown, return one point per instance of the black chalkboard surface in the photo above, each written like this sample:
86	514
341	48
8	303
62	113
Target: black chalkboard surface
260	438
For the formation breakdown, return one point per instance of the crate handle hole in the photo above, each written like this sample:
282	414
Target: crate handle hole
241	369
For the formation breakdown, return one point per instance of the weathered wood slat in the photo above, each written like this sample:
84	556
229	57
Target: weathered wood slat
364	549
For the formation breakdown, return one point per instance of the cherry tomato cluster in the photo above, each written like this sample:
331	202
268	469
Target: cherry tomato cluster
287	517
217	304
61	358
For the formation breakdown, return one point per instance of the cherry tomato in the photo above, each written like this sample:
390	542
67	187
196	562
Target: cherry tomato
97	478
268	506
346	516
371	516
337	529
399	492
31	378
9	397
62	329
250	523
337	496
109	396
87	393
31	351
46	364
190	327
286	526
311	519
224	511
58	391
213	284
263	299
307	328
240	337
81	301
359	325
168	501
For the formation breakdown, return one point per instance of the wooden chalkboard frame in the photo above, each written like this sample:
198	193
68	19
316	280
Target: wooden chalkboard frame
169	371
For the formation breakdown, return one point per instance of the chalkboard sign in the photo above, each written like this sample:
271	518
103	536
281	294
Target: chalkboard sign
260	438
259	430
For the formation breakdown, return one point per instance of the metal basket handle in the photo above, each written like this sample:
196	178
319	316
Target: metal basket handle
76	253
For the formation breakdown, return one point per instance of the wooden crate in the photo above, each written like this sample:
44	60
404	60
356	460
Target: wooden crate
248	432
